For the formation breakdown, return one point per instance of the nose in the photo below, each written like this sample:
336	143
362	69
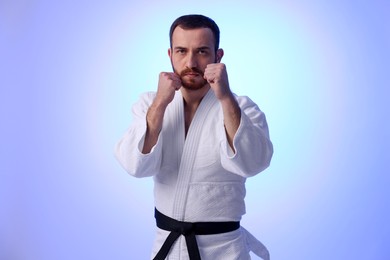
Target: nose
191	61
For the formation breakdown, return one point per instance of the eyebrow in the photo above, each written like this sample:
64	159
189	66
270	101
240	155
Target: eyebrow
179	48
203	48
200	48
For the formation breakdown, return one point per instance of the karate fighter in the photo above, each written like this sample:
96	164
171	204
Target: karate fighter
200	142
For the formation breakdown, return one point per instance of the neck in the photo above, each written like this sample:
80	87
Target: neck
192	98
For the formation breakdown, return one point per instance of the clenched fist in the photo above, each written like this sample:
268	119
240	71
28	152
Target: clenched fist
216	76
168	83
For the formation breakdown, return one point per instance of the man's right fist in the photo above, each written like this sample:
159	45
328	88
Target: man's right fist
168	83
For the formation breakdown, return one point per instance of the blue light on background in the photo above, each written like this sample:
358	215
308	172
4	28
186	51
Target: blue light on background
70	71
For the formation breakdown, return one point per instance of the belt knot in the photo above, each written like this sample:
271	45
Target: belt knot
189	230
186	228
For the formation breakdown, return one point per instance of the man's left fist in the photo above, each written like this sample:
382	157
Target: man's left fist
216	76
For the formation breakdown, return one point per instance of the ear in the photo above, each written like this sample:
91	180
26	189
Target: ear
169	52
219	55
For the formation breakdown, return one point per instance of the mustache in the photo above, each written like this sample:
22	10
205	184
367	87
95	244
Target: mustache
191	70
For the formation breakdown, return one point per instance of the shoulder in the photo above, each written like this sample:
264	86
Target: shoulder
143	103
245	102
250	108
145	98
148	95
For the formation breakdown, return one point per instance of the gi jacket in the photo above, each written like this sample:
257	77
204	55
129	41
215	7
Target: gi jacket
198	177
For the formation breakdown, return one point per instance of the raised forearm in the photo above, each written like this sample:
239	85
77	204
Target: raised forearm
167	85
154	120
231	117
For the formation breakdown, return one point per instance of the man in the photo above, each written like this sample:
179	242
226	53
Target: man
200	142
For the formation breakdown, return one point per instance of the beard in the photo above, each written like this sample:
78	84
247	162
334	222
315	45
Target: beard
191	83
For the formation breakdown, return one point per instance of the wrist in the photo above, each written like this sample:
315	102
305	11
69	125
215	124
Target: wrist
228	99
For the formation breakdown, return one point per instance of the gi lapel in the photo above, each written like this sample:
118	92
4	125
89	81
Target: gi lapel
179	126
188	156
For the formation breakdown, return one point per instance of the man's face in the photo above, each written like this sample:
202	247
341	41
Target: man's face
191	51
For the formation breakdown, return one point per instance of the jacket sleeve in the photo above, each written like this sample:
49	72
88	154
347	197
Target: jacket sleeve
251	142
128	150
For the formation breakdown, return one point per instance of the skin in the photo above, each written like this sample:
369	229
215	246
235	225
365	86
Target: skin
194	54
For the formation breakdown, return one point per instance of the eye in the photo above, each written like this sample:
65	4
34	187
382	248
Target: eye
202	52
181	51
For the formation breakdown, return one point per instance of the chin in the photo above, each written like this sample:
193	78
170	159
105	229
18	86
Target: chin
193	85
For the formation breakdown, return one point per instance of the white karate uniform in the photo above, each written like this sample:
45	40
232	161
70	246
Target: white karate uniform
199	177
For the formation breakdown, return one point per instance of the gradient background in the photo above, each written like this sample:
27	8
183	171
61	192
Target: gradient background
70	71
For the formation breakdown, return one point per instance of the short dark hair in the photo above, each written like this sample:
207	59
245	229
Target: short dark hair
195	21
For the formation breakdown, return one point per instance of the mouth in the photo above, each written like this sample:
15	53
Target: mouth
191	74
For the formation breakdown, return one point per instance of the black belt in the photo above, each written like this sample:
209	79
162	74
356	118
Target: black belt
188	230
